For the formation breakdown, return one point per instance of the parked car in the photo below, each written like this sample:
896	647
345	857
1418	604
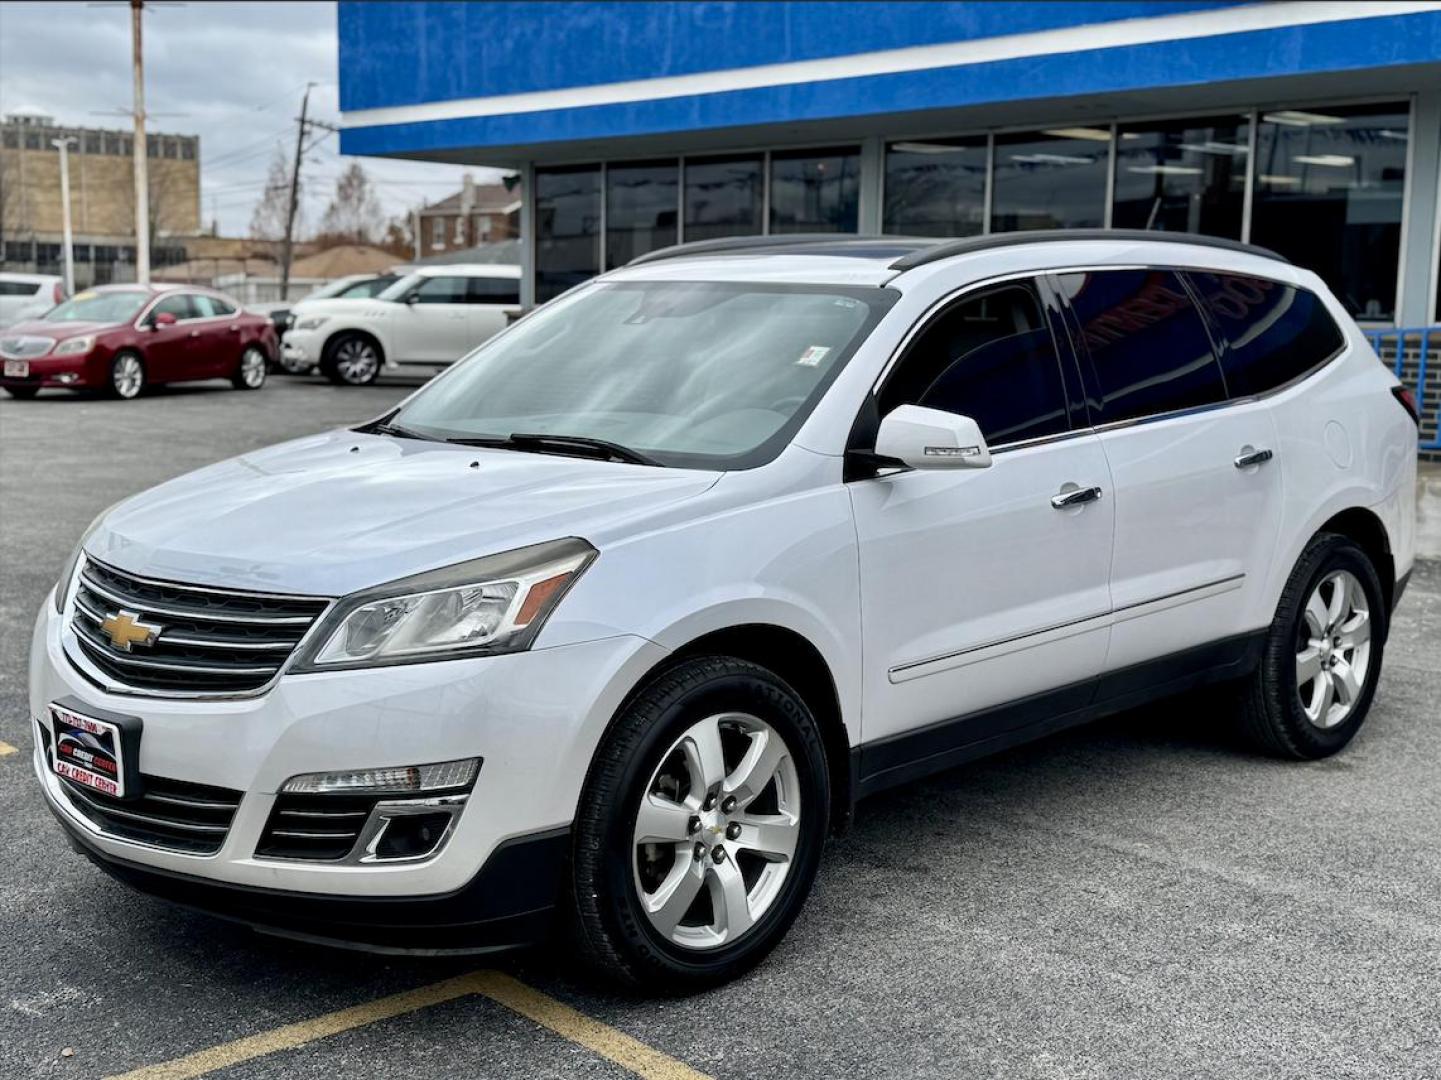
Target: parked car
28	296
351	287
430	317
616	620
121	338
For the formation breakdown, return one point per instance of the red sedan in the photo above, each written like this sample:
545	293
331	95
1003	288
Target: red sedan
122	338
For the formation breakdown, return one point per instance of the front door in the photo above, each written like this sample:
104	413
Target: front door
981	588
434	328
1197	497
168	349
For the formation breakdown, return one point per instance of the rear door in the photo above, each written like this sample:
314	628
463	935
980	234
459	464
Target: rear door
215	338
435	328
1197	496
492	299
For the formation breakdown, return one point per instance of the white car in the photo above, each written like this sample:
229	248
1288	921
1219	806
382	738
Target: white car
612	624
28	296
431	316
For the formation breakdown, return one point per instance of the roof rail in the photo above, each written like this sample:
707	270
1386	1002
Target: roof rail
947	249
738	244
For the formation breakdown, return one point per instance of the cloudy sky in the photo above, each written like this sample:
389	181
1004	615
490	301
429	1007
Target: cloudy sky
232	73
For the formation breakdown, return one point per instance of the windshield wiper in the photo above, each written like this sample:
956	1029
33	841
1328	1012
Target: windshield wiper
385	427
575	445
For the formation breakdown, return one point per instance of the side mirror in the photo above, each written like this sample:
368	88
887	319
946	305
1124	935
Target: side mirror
412	298
932	439
162	318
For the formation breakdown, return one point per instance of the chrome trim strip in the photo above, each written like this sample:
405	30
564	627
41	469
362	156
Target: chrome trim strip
112	656
198	614
168	638
130	815
909	670
198	804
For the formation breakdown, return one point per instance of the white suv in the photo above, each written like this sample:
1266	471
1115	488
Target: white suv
614	623
431	316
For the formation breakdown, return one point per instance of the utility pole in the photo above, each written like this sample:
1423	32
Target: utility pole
288	245
63	145
141	149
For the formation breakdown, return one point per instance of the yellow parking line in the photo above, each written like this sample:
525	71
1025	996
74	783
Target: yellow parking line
6	749
613	1045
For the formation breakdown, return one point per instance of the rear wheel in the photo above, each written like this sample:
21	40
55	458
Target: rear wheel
352	360
24	393
700	828
127	376
1317	677
251	371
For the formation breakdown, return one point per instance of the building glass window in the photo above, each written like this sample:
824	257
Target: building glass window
10	139
1328	195
169	148
640	209
815	191
437	232
459	231
32	140
724	197
92	142
1052	179
936	187
187	150
1182	176
567	228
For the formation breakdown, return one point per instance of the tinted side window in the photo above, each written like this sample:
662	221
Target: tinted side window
177	304
487	290
1272	332
205	307
221	307
18	288
441	290
1149	349
991	357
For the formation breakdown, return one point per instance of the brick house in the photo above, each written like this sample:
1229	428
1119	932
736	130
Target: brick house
476	214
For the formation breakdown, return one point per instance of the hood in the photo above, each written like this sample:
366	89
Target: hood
330	514
55	331
365	306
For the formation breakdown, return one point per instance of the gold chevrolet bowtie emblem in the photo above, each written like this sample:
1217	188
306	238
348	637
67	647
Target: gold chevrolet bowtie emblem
125	629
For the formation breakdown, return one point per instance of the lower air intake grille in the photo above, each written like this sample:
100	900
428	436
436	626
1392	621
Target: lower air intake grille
171	814
318	827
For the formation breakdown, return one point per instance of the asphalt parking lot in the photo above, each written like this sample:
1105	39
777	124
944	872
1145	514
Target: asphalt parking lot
1139	898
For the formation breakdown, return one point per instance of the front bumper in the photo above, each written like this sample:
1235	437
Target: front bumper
535	719
60	372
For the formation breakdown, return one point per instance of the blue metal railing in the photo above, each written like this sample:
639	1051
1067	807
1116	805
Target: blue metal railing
1408	349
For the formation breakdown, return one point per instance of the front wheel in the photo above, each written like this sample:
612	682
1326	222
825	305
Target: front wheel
353	360
1322	658
251	371
700	828
127	376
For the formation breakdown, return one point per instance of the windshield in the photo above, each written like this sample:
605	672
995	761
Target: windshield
99	307
698	374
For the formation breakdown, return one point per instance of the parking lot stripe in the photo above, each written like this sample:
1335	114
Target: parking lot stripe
6	749
615	1046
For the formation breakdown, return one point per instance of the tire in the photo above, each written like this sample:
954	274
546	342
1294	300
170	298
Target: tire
1289	716
651	747
23	393
126	380
251	369
352	360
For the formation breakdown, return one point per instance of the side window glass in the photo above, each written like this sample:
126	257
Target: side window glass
204	307
497	290
1149	350
991	357
177	304
221	307
441	290
1273	332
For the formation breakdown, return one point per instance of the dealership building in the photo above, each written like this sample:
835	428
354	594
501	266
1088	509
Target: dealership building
1310	128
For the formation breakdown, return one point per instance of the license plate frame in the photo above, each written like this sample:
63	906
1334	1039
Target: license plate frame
17	369
95	748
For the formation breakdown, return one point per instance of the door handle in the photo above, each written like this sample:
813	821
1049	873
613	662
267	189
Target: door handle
1075	497
1248	457
195	333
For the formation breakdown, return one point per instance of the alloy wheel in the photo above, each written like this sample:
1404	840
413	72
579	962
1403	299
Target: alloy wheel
252	368
716	831
1333	649
356	361
127	376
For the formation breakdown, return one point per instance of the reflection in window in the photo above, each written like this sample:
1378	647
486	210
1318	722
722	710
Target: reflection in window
1051	179
1148	347
1328	196
723	197
640	209
936	188
815	191
1182	176
567	229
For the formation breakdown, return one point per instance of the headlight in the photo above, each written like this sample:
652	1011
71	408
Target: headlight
493	605
75	346
315	322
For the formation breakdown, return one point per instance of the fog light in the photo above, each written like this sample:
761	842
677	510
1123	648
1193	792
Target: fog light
65	378
411	836
404	779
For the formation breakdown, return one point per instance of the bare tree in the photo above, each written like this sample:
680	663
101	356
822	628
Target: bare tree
267	222
354	215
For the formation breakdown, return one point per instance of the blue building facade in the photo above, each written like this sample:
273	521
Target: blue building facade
1311	128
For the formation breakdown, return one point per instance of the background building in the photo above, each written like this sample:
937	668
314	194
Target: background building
102	198
1311	128
476	214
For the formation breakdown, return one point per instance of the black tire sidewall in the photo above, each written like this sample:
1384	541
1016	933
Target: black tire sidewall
1327	555
332	368
739	688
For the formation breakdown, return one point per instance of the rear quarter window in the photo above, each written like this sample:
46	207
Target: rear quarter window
1271	333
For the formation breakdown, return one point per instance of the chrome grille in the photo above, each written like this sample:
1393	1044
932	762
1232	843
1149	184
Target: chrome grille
210	641
192	818
24	348
320	827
